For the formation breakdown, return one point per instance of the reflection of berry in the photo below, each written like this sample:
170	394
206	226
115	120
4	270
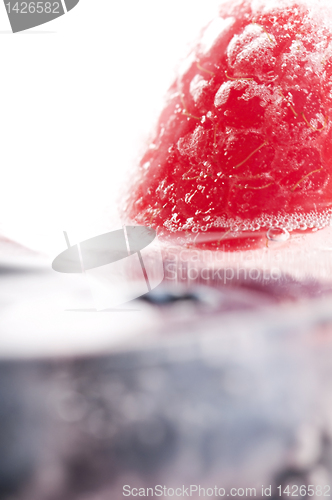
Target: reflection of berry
245	140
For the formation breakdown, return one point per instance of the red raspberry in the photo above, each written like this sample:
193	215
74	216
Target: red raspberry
244	142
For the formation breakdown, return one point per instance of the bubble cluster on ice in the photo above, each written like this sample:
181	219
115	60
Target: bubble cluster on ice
290	222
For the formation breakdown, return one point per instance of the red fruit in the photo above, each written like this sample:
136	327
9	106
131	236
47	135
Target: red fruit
244	142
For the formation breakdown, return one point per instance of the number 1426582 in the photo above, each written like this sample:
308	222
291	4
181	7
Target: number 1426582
34	8
304	490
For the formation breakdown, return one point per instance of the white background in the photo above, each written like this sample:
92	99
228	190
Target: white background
78	98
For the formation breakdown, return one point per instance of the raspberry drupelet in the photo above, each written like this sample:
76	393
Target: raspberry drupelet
244	142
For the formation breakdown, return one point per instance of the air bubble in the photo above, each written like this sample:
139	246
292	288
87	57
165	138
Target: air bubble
295	222
277	234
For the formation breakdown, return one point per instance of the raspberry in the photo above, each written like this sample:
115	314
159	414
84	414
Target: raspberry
244	142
